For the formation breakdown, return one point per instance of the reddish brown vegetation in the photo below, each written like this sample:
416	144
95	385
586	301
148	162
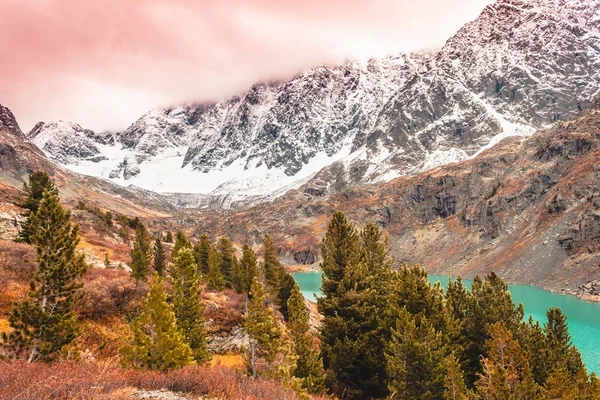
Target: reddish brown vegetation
109	293
224	308
73	380
17	261
17	266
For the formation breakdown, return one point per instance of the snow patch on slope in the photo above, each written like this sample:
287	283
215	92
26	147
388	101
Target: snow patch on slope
437	158
508	128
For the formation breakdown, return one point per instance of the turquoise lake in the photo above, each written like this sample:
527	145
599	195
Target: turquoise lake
583	316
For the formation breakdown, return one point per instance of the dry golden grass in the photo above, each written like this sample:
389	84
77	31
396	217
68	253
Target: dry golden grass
228	360
4	325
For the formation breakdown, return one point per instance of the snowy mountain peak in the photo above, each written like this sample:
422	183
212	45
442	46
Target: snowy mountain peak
521	65
68	143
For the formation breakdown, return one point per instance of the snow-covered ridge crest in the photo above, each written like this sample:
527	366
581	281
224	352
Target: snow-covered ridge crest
520	66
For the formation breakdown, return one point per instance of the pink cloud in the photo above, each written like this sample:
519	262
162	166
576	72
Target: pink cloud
103	63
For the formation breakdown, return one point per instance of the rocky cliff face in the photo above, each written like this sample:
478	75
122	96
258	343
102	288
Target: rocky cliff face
522	65
8	123
528	208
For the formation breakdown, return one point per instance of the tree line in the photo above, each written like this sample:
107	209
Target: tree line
169	331
392	333
385	332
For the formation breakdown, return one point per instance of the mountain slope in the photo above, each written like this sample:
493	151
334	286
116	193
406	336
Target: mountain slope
19	157
528	209
521	65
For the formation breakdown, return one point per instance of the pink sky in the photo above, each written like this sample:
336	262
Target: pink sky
103	63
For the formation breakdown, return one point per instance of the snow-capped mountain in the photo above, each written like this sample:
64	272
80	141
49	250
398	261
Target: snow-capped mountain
68	143
521	65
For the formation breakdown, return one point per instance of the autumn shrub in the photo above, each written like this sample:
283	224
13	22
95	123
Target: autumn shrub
17	267
103	339
109	293
91	380
224	308
17	261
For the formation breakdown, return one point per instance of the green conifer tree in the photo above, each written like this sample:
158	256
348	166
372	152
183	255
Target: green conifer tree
506	373
160	259
274	271
169	238
262	327
309	366
238	279
202	252
187	304
558	347
454	382
340	249
560	385
181	241
140	254
416	358
248	267
44	324
350	334
214	278
376	250
39	182
488	302
410	289
286	286
532	339
227	255
157	342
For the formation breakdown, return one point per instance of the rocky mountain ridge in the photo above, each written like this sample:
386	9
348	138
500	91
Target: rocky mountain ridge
8	122
528	209
520	66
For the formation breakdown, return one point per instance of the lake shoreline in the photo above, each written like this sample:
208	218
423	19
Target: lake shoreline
584	326
293	269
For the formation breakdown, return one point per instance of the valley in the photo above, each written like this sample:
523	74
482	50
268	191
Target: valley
287	242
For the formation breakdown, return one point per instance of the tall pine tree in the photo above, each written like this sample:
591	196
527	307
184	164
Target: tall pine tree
227	256
140	254
506	372
238	279
558	350
248	267
274	271
262	327
488	302
181	241
454	382
39	182
45	323
350	334
416	358
157	342
285	291
214	279
187	304
202	252
309	366
160	260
